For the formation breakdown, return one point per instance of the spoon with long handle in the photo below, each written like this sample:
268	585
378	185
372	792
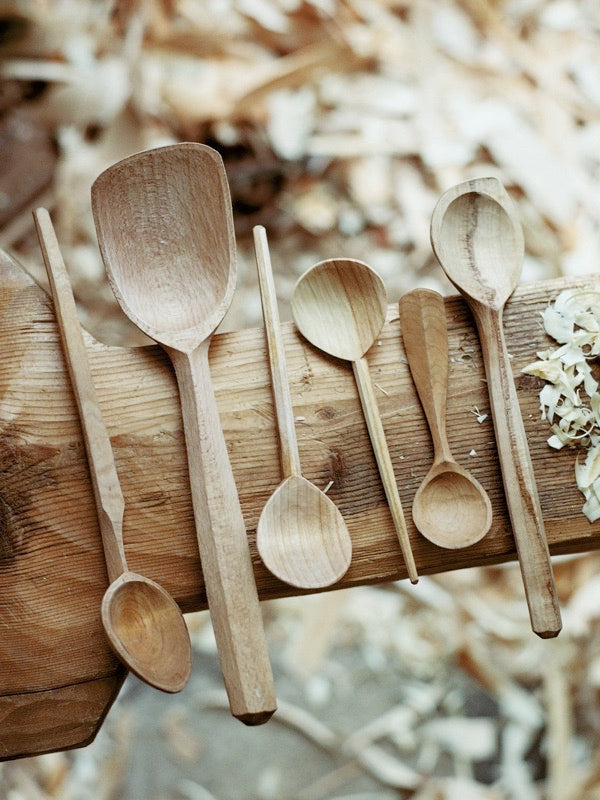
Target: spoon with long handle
144	625
165	229
340	306
451	508
301	535
479	243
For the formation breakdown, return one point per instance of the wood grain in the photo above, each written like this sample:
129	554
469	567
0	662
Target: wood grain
52	572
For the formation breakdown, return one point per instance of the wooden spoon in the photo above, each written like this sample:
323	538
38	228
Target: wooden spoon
144	625
301	535
479	244
165	230
451	508
340	306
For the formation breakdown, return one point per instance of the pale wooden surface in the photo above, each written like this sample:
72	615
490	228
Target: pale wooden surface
450	507
165	229
340	306
301	536
478	240
52	572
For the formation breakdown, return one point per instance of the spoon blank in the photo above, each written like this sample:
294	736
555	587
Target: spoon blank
479	244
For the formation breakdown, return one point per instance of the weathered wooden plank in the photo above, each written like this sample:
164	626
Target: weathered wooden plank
52	574
59	719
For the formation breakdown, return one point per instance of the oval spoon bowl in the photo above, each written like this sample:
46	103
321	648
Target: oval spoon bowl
146	630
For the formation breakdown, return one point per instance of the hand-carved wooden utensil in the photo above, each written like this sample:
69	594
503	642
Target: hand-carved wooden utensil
165	230
340	306
479	243
144	625
451	508
301	535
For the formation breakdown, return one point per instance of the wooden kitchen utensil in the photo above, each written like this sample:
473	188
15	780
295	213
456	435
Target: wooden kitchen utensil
165	230
301	535
144	625
451	508
340	306
479	244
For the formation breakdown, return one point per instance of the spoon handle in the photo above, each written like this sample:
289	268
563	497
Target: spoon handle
103	473
425	336
518	476
384	461
226	565
284	411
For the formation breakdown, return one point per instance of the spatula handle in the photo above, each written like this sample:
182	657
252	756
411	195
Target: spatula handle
425	337
518	477
223	544
384	461
103	472
290	457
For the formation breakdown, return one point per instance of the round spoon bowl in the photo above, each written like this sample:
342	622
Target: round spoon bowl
451	508
340	306
147	631
312	550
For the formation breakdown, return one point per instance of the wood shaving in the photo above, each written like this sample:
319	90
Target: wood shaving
570	400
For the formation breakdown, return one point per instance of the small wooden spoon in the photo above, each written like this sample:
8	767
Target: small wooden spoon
144	625
479	244
165	229
451	508
301	535
340	306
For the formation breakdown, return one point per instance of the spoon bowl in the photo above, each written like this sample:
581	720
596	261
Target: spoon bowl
302	537
483	219
143	625
451	508
340	306
168	246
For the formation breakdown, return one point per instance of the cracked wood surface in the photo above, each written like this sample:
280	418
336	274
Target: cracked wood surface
57	673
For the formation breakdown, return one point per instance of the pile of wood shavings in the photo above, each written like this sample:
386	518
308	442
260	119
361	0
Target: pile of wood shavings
340	124
570	400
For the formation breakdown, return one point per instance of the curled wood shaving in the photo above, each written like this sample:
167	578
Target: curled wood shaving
570	400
